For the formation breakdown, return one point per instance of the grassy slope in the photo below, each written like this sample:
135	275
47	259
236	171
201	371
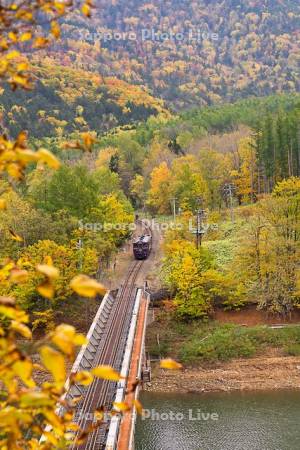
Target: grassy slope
198	343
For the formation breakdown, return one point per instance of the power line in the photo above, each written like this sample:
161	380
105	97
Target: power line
229	190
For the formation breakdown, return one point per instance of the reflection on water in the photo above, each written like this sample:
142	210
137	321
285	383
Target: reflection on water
223	421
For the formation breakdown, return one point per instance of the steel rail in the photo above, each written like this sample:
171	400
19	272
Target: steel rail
101	392
97	392
128	302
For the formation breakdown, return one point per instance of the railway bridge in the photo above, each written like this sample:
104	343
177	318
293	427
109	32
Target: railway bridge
116	338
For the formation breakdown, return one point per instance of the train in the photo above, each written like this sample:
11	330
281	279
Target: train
142	246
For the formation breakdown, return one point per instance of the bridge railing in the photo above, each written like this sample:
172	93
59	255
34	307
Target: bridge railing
113	432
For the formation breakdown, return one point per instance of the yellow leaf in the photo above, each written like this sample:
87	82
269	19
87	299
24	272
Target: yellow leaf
36	399
22	139
55	363
46	289
53	419
9	417
48	158
27	156
15	237
48	260
22	67
13	312
3	204
60	7
37	366
15	171
21	80
99	414
86	10
22	329
86	286
170	364
65	338
88	140
48	270
80	339
3	66
71	145
12	55
24	15
9	265
23	369
106	373
40	42
25	37
121	406
18	276
51	438
3	44
55	29
8	311
13	36
84	377
71	426
138	406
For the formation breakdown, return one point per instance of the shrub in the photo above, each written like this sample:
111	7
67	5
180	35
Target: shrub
215	342
292	350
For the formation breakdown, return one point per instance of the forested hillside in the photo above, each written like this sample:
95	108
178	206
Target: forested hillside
190	52
66	99
98	126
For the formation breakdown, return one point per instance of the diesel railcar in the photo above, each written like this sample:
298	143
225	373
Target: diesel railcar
142	246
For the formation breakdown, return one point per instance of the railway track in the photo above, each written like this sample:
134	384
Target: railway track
106	346
110	351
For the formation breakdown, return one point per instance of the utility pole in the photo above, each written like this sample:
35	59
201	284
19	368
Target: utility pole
79	247
174	207
201	213
228	190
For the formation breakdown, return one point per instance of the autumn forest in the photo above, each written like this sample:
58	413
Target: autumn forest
172	111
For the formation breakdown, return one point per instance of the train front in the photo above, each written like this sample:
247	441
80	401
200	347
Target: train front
141	247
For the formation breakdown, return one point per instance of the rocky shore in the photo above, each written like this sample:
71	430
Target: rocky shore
260	373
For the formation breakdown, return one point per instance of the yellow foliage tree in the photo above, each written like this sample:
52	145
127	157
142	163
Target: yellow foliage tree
67	260
105	156
188	184
245	174
159	196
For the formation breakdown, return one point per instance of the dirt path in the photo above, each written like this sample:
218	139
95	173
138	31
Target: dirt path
261	373
151	266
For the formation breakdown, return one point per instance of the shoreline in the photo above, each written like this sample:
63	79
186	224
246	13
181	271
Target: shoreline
254	374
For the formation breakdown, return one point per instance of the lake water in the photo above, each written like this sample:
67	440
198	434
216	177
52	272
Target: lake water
223	421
